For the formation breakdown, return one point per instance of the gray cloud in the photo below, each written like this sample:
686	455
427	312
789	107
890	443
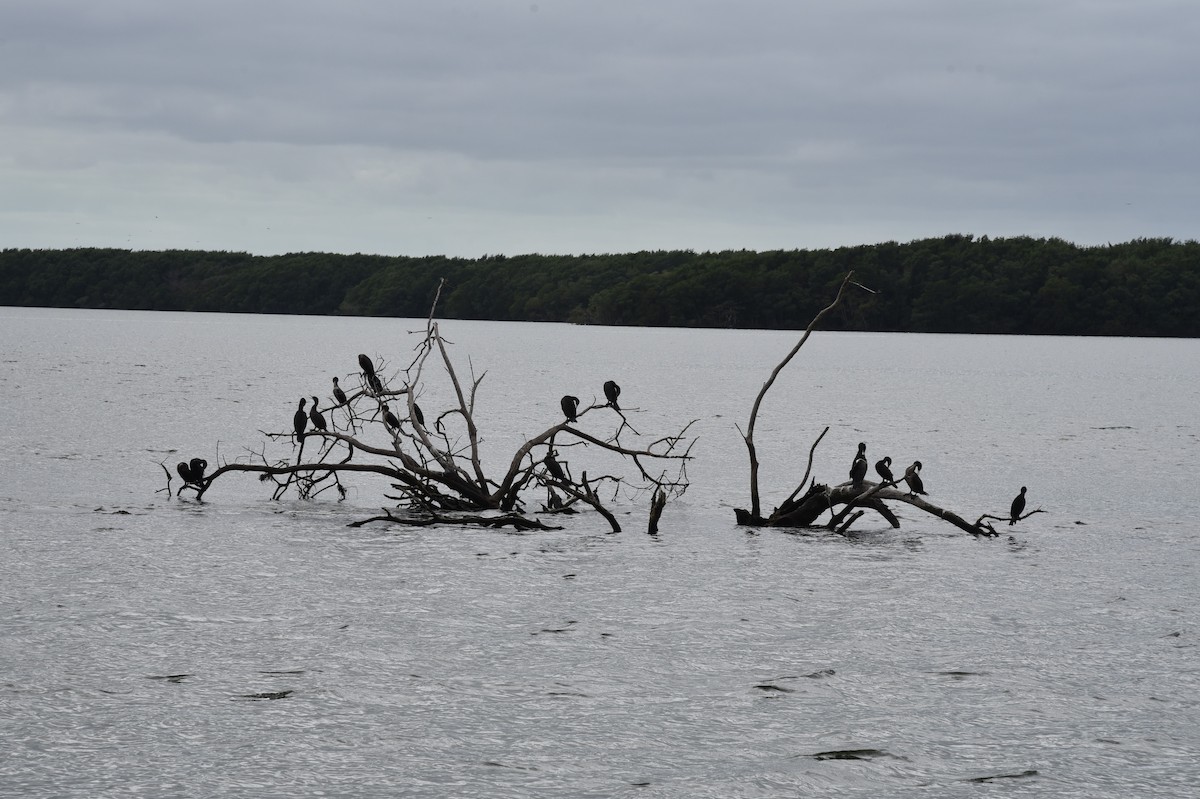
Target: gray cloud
570	126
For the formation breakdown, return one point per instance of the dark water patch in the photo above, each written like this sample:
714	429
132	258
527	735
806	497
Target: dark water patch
960	675
118	512
498	764
853	754
282	673
1113	427
172	678
560	694
565	629
772	688
267	695
820	674
1029	772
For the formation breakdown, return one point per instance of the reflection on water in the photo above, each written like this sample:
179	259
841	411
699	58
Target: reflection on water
252	648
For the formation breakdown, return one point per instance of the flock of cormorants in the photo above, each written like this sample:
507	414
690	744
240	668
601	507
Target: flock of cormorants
858	472
570	409
301	419
193	472
912	477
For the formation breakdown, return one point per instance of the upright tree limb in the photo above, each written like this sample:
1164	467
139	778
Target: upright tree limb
748	436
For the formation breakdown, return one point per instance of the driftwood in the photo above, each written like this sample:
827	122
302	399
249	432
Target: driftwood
435	465
845	502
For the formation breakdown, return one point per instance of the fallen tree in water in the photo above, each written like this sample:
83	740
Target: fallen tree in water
435	465
847	502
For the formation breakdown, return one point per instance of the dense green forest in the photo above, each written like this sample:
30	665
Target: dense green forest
959	283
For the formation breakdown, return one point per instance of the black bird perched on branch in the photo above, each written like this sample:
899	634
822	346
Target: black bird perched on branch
300	420
418	415
1018	505
570	406
884	467
338	394
912	476
390	419
368	369
193	472
552	466
318	418
364	363
611	392
858	469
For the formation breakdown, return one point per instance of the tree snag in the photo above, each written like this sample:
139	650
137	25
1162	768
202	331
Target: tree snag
436	468
855	496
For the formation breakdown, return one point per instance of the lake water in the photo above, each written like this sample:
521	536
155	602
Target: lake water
1060	659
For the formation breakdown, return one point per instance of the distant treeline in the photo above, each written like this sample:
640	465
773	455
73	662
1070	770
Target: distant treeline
959	283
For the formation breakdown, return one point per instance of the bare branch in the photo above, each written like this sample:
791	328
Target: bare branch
748	436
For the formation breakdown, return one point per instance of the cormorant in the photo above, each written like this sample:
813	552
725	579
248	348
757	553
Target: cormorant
390	419
420	417
300	420
552	466
338	394
185	471
570	406
611	392
884	467
318	418
1018	505
368	369
858	469
912	476
365	364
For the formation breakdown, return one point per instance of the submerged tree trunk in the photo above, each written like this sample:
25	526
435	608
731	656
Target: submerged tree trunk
437	469
845	502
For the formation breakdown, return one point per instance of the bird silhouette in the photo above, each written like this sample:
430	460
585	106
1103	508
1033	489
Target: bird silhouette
611	392
390	419
338	394
368	370
570	407
552	466
316	417
858	469
884	468
198	466
1018	505
300	420
912	476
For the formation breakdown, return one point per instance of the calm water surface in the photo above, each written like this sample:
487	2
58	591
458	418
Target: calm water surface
1058	660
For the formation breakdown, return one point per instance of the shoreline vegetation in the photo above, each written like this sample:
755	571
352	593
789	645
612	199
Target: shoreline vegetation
949	284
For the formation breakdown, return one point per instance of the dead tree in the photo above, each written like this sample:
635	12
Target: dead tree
435	465
845	502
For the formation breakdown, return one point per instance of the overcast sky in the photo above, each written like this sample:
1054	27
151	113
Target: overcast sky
466	127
